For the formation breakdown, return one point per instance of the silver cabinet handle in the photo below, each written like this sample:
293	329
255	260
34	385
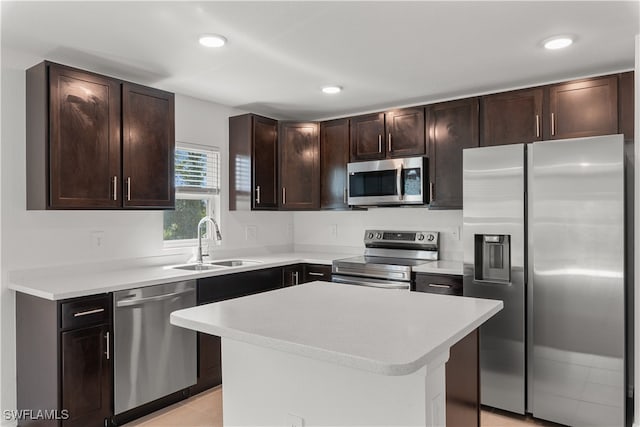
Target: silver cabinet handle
108	352
257	194
88	312
344	195
128	188
390	142
431	185
553	124
437	285
137	301
284	195
295	278
115	188
537	126
379	143
313	273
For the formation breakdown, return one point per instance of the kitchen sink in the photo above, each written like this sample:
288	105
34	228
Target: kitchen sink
197	267
234	262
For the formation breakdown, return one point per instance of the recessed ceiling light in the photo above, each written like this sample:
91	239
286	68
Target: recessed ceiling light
558	42
332	89
212	40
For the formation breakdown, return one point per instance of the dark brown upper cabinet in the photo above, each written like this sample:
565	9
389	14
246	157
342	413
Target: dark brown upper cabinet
451	126
253	163
626	100
511	117
84	128
334	156
148	147
405	132
582	108
397	133
299	165
367	134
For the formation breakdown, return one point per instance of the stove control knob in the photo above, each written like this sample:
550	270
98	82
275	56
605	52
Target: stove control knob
369	235
430	237
379	236
421	237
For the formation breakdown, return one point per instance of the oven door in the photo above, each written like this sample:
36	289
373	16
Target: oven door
387	182
367	281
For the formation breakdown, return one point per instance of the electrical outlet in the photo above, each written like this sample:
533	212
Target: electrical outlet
455	233
294	421
250	233
97	239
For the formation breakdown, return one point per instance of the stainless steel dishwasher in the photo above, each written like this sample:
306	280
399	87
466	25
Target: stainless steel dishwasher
152	358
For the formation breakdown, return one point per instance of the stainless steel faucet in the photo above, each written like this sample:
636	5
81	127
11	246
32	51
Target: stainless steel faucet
217	231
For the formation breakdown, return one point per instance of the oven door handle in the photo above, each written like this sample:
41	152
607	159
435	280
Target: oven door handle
385	284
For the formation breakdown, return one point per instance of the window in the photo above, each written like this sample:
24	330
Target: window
197	179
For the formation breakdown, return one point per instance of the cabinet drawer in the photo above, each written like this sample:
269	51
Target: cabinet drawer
81	312
317	272
439	284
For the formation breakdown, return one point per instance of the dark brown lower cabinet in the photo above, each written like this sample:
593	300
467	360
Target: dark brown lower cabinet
463	383
463	367
63	361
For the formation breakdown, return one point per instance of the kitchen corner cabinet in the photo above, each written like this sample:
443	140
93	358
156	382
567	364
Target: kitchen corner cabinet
582	108
253	163
396	133
63	361
334	156
451	127
511	117
95	142
299	165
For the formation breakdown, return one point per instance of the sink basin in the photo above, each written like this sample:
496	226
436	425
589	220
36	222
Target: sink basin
197	267
234	262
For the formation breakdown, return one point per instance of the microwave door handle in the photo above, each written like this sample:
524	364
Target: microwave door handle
399	182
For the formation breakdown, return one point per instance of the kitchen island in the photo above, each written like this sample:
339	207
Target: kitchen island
330	354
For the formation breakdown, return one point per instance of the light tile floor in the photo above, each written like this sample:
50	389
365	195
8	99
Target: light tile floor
205	410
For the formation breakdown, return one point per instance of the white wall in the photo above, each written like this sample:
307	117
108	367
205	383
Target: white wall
317	228
43	238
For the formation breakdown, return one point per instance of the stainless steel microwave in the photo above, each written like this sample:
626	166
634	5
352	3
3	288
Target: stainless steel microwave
389	182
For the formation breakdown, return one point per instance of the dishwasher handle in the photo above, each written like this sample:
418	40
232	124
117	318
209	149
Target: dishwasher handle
139	301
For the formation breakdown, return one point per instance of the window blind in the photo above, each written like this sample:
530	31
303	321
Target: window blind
197	169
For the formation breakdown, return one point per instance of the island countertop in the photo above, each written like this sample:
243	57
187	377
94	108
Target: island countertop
388	332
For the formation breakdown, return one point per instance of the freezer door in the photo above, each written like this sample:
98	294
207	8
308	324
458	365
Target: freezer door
493	241
576	281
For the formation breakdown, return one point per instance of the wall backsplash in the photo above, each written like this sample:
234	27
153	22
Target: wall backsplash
345	229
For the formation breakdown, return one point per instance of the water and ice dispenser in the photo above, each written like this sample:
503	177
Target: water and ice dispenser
493	258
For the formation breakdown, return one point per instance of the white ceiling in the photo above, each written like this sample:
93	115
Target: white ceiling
280	54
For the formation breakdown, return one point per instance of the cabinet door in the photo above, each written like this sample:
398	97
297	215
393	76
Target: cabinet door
86	376
334	156
367	134
148	147
265	163
293	275
452	126
209	362
405	132
462	373
511	117
299	165
84	140
583	108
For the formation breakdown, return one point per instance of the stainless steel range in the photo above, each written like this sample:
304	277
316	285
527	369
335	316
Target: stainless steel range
388	259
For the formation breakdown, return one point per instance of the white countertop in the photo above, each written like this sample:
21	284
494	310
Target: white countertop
440	267
383	331
57	283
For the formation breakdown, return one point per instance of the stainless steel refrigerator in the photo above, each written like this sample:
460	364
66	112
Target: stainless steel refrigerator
544	232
